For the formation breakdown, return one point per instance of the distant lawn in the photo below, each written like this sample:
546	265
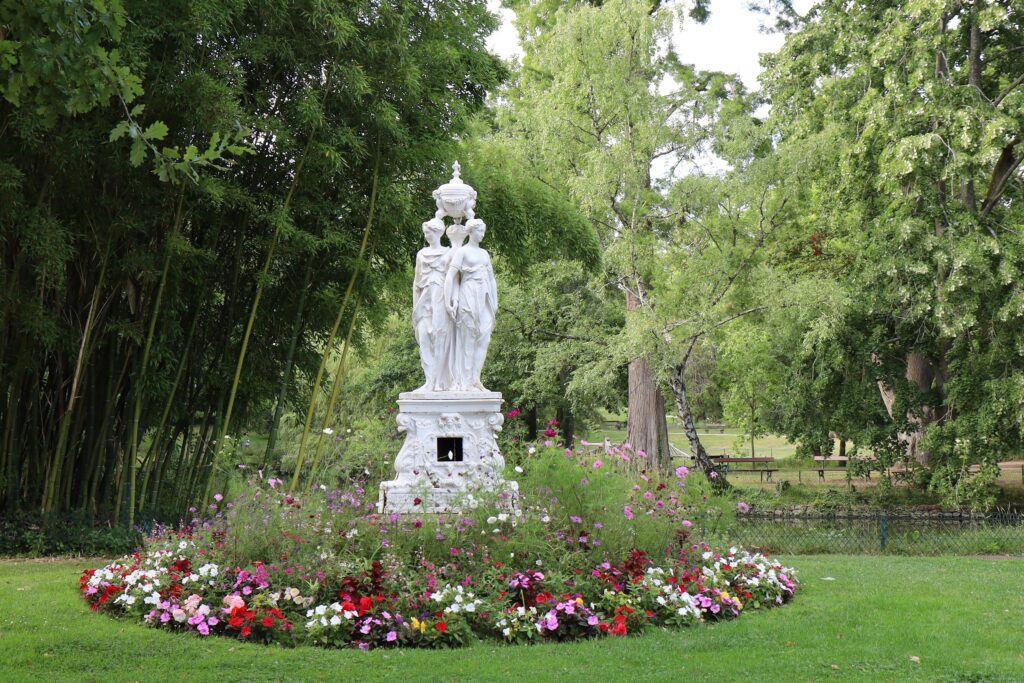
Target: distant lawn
961	618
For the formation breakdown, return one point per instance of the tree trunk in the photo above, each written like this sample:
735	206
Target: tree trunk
646	427
700	456
567	424
921	372
531	423
286	376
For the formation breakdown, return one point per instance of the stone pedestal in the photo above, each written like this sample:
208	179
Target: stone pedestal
450	456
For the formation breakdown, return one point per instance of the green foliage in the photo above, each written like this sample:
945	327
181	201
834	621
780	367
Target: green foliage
327	97
28	534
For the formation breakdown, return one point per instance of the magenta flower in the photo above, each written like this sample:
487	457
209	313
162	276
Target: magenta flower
743	507
682	472
391	637
598	464
627	512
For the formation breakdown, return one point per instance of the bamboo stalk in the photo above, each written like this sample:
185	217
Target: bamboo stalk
337	323
133	453
334	389
260	283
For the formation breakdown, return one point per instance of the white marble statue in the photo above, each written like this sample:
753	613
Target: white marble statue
432	324
450	455
471	297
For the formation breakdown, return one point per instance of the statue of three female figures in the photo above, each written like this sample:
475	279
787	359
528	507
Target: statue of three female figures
454	304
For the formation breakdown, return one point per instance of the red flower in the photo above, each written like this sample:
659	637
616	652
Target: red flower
235	622
416	501
365	605
550	433
246	631
441	626
268	622
619	630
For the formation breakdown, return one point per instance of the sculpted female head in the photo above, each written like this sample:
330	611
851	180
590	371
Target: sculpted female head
433	229
457	233
476	229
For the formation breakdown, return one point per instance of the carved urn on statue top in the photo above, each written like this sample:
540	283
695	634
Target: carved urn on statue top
455	198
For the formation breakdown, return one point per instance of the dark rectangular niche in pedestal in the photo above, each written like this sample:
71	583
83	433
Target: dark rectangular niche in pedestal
449	449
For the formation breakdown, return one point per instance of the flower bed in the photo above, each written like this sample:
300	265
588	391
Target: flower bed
595	550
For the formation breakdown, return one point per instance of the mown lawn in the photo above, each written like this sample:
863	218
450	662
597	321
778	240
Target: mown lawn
875	619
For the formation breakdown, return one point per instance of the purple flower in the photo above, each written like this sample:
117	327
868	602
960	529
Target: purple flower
391	637
743	507
575	519
627	512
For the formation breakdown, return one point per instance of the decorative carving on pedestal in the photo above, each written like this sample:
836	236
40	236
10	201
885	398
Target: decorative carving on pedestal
450	453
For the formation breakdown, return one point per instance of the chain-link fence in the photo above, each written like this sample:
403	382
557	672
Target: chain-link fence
1001	534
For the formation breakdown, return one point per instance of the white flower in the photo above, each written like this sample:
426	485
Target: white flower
320	610
506	631
540	563
545	519
503	517
352	533
328	431
492	520
335	620
519	469
531	450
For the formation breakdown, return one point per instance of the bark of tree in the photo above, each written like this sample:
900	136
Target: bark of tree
700	456
646	426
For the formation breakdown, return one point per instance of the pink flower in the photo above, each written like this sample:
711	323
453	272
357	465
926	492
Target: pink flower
512	414
392	636
598	464
682	472
592	620
627	512
454	552
550	433
648	495
273	483
217	497
687	523
743	507
203	629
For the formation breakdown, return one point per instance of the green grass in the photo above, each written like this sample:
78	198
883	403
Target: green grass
961	618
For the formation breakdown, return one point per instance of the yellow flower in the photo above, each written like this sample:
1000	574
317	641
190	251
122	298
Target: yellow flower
579	601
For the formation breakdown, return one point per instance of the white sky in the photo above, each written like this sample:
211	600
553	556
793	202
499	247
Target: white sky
730	41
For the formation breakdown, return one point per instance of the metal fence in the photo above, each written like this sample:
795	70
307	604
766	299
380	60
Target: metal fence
881	534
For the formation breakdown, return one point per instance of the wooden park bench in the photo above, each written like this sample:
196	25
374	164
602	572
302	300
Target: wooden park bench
757	464
841	461
714	425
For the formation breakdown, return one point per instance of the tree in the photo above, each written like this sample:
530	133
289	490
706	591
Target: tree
600	98
919	110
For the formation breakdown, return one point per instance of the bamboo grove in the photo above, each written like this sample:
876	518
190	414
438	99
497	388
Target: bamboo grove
148	314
